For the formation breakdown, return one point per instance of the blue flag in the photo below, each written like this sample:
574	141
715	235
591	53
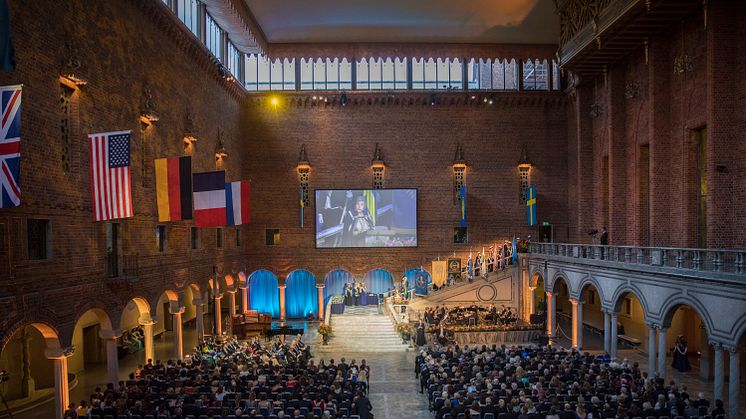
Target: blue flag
420	282
462	202
7	54
531	206
514	251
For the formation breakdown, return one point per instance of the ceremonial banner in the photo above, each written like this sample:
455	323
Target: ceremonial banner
420	281
110	175
531	206
454	269
440	272
173	187
10	145
209	199
237	202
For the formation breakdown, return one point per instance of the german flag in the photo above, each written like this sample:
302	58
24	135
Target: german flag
173	186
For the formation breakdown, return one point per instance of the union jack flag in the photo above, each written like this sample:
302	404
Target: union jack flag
10	146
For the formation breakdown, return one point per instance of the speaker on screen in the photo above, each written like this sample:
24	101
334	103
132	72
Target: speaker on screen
366	218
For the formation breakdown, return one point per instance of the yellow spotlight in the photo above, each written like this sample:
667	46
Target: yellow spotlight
274	101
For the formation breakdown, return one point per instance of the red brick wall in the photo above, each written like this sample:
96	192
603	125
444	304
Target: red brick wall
121	46
663	116
418	142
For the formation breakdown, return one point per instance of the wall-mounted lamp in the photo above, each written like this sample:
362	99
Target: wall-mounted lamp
459	172
220	152
343	99
148	113
303	167
524	173
71	73
190	134
379	167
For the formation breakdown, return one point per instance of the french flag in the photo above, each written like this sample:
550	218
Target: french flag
237	202
209	199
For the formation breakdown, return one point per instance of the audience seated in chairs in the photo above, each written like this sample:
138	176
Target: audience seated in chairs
228	378
537	383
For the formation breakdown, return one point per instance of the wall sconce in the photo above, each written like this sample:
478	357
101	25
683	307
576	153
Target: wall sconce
220	152
70	73
524	173
190	135
459	172
379	167
343	99
148	114
304	170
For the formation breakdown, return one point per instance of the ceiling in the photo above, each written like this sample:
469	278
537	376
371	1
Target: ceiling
407	21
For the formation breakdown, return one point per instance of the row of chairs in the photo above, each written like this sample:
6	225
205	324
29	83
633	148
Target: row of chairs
537	416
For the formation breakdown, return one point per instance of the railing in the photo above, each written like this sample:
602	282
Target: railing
732	261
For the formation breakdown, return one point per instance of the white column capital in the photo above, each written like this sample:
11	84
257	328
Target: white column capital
59	353
320	286
231	291
718	346
110	334
176	311
218	296
146	320
733	349
282	287
549	293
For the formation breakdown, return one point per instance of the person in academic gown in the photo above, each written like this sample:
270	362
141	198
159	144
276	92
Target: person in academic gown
348	295
680	359
420	339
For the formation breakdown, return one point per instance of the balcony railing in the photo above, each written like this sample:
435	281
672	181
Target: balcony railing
731	261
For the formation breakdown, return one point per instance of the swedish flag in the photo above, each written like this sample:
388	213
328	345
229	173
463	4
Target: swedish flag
531	205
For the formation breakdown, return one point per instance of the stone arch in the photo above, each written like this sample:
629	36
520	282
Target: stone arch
621	292
559	277
388	279
301	295
229	282
536	276
103	316
50	333
334	282
589	280
143	308
740	332
669	307
242	279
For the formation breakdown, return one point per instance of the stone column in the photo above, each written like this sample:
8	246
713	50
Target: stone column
282	302
320	288
551	314
613	337
245	298
147	323
662	352
734	381
112	355
178	345
199	319
232	303
607	332
61	387
575	323
218	316
651	350
719	373
580	324
530	303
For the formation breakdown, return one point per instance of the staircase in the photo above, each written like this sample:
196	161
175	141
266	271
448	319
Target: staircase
363	329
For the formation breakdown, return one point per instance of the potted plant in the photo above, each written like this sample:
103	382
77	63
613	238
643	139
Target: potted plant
405	330
325	330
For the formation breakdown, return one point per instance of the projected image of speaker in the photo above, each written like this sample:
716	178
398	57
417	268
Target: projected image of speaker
366	218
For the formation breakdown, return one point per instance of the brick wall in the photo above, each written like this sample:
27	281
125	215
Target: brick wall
418	143
121	47
659	123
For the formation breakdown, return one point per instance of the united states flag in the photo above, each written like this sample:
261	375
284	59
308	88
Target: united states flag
10	146
110	175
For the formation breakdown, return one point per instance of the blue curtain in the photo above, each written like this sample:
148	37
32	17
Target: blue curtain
264	295
378	281
414	274
334	283
301	296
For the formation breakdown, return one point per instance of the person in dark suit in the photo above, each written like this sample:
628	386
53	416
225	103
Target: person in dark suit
362	407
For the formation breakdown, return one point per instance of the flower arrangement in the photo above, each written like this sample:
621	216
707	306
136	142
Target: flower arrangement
324	329
487	328
337	299
398	299
404	328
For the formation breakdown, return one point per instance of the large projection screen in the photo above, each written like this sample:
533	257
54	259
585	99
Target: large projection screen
366	218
